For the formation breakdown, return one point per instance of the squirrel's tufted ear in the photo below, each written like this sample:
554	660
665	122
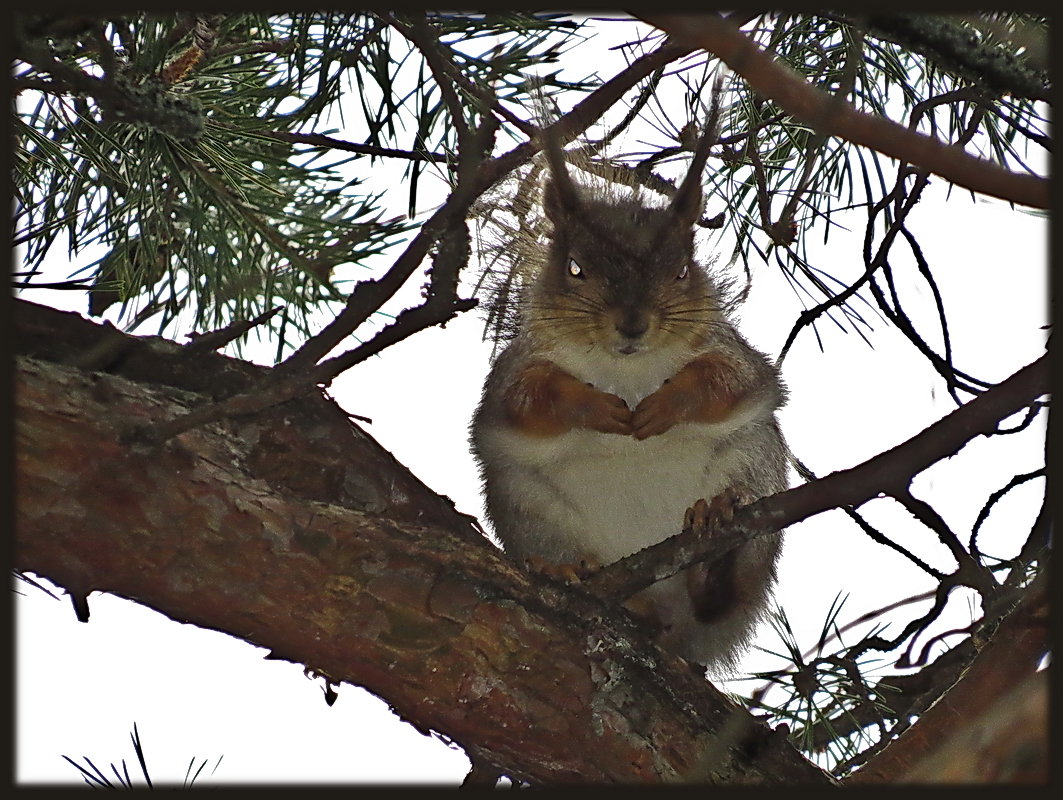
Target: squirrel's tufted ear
560	196
559	201
687	203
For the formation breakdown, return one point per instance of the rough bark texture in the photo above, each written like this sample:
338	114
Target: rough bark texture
1006	744
991	725
294	530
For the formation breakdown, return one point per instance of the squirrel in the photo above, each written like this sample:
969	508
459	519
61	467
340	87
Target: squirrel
625	394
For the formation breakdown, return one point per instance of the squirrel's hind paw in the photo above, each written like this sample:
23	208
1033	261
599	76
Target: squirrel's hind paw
567	571
706	516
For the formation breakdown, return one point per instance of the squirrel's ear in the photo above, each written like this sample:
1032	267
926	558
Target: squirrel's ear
560	197
686	204
559	201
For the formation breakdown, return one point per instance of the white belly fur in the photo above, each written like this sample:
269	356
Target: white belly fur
605	495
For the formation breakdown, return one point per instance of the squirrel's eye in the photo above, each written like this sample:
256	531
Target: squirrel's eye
574	269
682	272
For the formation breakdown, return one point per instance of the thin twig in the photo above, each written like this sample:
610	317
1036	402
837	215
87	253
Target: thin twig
872	263
973	574
332	143
216	339
1016	480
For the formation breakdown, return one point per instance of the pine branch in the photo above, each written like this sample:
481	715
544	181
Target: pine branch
832	117
120	100
958	49
298	374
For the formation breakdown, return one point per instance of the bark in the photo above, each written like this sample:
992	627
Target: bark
292	529
992	724
1006	744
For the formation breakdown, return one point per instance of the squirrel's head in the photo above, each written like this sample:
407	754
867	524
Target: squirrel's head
621	275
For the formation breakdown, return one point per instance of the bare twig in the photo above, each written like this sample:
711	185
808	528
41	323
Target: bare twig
440	305
953	377
213	340
1033	548
1016	480
864	618
975	575
332	143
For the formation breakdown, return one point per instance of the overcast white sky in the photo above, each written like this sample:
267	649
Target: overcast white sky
196	693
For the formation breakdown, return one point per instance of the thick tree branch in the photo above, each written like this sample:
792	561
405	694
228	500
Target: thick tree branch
294	531
956	48
831	116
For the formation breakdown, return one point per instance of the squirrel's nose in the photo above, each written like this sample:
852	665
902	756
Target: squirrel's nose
632	324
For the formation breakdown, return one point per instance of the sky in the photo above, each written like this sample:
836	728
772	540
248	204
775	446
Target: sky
203	695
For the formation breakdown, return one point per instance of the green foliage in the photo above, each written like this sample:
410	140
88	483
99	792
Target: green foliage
97	779
214	215
827	698
173	144
190	151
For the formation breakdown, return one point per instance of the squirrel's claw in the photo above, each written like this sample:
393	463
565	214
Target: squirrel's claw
567	571
706	516
608	414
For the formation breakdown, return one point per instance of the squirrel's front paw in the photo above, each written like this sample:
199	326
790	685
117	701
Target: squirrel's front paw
603	412
706	389
544	400
658	412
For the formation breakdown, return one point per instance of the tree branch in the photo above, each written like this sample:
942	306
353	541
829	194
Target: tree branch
293	530
890	471
957	49
832	116
1011	655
